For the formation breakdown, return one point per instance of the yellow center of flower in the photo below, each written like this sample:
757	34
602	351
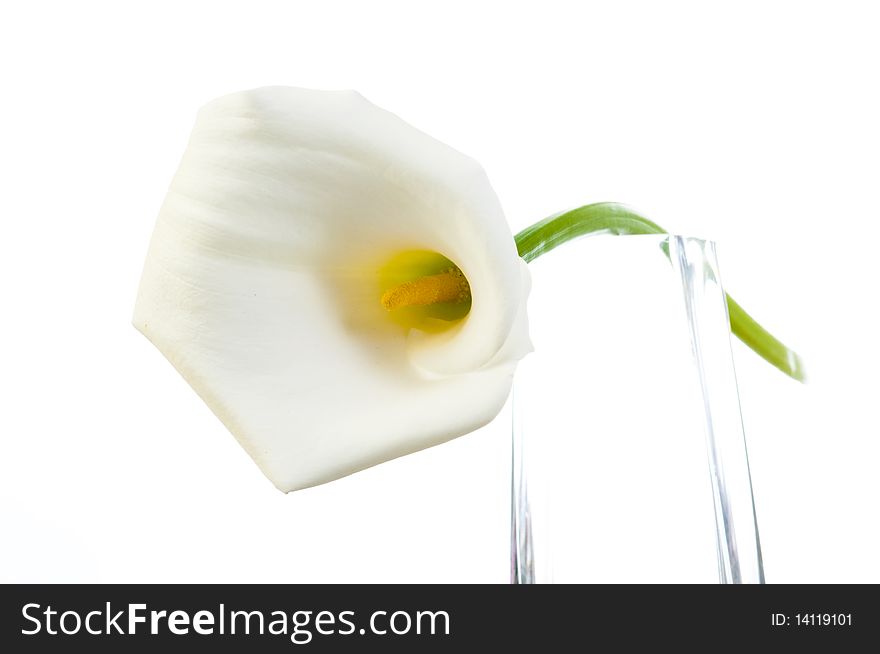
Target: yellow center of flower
448	286
424	290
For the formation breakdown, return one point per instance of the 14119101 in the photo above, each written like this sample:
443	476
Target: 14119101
812	620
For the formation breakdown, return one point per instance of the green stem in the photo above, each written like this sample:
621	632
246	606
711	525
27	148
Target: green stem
611	218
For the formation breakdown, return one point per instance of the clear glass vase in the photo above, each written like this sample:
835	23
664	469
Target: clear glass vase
630	391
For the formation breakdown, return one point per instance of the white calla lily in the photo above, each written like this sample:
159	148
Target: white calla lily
340	288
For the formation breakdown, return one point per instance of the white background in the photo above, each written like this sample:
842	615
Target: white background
755	124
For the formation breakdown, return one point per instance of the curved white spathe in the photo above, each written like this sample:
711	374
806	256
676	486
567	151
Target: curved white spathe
260	283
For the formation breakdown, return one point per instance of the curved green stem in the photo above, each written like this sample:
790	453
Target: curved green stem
612	218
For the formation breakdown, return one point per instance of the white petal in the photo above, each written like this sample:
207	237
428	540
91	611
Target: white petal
260	283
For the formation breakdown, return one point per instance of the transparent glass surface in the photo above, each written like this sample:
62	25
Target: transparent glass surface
628	401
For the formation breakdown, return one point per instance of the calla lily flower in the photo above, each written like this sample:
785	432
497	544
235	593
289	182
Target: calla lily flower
340	288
